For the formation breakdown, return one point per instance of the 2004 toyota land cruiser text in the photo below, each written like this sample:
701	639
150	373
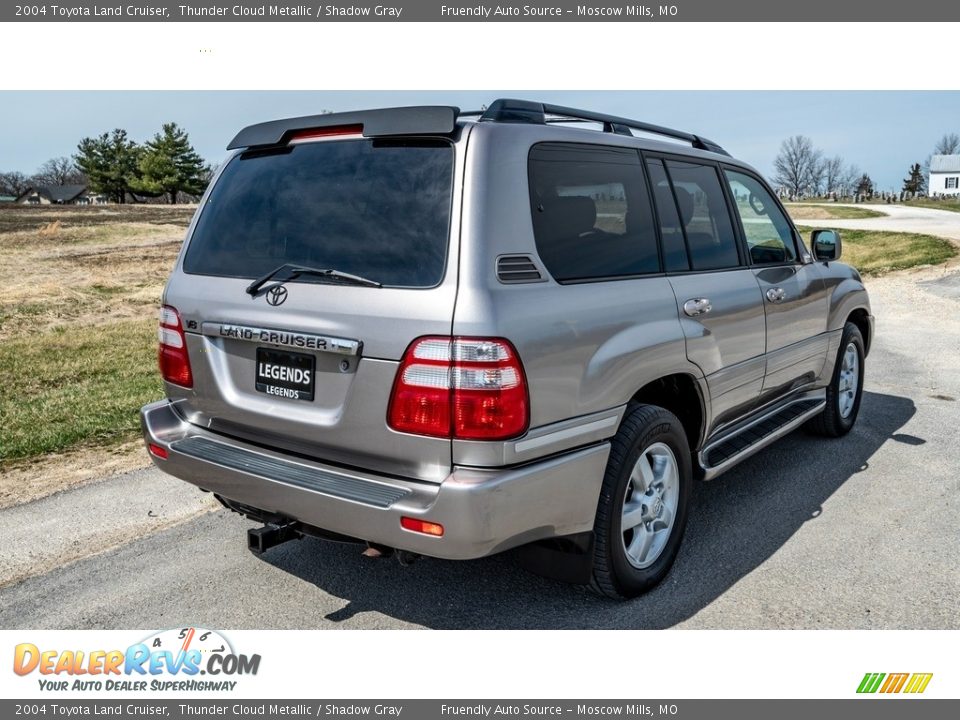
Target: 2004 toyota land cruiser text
454	333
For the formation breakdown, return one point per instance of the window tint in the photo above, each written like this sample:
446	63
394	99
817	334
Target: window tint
375	208
591	212
671	231
711	241
765	228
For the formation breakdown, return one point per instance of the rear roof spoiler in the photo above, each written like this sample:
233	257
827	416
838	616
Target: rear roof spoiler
424	120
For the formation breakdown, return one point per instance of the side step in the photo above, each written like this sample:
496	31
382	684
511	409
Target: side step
742	442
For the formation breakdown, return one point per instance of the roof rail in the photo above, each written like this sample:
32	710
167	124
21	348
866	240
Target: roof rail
525	111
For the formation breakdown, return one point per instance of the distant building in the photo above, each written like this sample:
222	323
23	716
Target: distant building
944	175
7	199
60	195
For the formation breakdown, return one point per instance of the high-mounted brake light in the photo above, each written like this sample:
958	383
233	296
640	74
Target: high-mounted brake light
463	388
172	354
326	132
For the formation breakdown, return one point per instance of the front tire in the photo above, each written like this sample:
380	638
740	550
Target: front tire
642	511
845	389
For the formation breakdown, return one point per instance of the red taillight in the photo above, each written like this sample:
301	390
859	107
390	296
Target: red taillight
464	388
172	355
316	133
157	451
421	526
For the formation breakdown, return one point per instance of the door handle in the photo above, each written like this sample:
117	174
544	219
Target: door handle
776	295
697	306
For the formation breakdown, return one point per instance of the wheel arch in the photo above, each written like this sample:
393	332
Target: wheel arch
681	394
861	318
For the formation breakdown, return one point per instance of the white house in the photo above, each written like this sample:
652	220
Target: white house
944	175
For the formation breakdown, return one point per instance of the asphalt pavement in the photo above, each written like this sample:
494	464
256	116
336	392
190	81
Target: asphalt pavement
859	532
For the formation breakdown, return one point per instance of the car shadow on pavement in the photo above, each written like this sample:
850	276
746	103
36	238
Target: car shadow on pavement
736	523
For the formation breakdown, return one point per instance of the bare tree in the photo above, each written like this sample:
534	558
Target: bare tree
798	166
848	179
14	183
832	174
949	144
59	171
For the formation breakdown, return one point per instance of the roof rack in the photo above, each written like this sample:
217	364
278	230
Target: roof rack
525	111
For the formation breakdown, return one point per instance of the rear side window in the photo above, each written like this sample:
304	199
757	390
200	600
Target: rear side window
591	212
375	208
711	241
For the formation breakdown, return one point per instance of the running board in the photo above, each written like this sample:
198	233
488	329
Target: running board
735	446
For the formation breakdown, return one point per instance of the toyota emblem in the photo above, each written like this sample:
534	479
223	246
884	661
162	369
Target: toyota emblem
276	295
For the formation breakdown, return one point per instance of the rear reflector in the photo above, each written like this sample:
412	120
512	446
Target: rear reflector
172	353
462	388
421	526
158	451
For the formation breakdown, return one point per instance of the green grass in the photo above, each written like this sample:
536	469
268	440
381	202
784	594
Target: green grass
813	211
876	253
75	385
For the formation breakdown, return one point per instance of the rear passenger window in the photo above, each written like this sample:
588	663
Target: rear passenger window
591	212
711	241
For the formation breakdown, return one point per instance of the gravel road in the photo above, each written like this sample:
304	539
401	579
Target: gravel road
900	218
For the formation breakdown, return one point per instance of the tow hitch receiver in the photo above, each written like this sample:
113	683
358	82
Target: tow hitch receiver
261	539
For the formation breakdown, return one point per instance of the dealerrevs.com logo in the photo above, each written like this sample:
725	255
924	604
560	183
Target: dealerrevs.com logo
183	659
910	683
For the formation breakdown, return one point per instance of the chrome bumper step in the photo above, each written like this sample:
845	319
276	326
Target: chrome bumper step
376	494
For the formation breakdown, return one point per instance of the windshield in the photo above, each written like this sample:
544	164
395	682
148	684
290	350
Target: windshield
379	209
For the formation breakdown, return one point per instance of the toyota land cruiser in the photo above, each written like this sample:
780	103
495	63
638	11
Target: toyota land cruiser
454	333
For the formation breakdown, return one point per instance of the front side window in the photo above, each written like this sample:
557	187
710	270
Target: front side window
766	229
711	241
951	183
591	212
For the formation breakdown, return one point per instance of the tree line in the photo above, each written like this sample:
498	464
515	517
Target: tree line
119	168
803	170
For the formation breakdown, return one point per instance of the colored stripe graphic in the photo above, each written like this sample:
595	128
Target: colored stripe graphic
918	682
870	682
894	683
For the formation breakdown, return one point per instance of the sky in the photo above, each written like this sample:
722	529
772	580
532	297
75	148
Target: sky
881	132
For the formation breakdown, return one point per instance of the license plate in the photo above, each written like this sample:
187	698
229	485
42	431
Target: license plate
286	374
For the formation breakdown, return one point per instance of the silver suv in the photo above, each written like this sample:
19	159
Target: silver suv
452	333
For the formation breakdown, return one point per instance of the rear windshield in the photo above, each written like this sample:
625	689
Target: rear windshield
375	208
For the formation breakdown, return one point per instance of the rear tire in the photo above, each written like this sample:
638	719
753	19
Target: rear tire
845	389
642	511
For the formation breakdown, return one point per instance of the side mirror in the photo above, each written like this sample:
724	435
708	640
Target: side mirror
826	245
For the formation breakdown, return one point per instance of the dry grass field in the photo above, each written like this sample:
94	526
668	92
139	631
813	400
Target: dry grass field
78	301
805	211
79	292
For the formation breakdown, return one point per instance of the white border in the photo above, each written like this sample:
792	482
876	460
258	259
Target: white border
475	56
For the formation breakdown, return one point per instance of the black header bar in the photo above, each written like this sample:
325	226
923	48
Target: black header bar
739	11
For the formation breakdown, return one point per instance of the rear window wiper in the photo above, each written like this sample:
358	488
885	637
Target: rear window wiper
289	271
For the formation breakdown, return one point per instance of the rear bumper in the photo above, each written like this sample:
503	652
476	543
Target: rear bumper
483	511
